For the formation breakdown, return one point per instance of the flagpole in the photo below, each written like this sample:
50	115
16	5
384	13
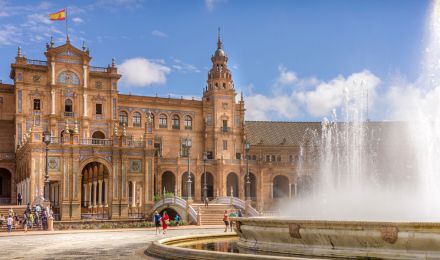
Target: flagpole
67	28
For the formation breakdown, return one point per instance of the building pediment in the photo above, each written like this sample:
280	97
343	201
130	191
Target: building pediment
67	53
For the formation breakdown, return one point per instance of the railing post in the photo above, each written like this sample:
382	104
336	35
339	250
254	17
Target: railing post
199	217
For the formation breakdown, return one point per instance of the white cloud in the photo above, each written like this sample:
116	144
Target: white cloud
158	33
77	20
330	95
9	35
184	67
141	72
293	97
210	4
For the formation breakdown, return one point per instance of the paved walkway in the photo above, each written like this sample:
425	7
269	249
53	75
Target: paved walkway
96	244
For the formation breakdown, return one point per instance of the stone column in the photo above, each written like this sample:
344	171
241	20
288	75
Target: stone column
85	195
90	194
290	190
94	193
296	189
271	190
85	104
100	193
133	202
105	192
52	107
85	76
52	81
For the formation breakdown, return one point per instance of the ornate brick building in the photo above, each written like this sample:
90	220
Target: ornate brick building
112	153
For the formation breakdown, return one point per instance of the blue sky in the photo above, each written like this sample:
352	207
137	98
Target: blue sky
288	57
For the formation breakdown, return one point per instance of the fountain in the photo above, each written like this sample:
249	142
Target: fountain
377	185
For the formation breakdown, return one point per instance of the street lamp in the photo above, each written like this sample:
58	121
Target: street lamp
247	147
46	140
188	147
205	186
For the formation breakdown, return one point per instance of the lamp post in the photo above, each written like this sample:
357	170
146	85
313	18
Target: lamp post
46	140
188	147
247	147
205	185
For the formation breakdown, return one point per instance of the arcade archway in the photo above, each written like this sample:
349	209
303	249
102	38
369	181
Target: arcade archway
5	186
280	187
232	184
94	190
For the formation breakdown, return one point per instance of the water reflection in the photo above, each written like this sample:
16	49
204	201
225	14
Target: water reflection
218	246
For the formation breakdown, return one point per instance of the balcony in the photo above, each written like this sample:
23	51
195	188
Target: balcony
95	141
98	69
69	114
176	127
36	62
225	129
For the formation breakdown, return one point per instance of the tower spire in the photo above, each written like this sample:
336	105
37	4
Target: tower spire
219	41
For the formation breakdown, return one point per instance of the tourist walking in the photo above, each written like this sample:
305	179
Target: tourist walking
206	202
165	222
226	220
231	222
10	221
25	222
44	219
157	218
31	220
239	214
19	199
177	219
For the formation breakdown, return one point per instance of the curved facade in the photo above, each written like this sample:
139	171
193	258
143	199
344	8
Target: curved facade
111	154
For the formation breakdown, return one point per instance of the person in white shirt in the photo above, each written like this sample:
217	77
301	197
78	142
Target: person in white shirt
10	222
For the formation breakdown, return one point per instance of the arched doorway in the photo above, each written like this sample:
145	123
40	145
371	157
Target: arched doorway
94	191
185	185
168	182
5	186
253	186
98	135
232	184
209	185
280	187
304	185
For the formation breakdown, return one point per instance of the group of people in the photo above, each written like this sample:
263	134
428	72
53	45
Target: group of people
227	218
163	221
32	216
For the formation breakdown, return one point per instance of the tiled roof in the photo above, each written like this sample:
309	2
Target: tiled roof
294	133
277	133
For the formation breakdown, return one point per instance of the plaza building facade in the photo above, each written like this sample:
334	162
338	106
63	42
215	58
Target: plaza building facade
114	154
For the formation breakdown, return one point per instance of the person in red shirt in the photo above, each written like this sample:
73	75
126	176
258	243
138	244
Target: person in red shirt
165	222
226	220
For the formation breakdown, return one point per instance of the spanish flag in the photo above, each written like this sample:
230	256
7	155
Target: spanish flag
58	16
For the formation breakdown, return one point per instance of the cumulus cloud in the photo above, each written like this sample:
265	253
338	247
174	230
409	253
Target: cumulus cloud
77	20
141	72
158	33
292	97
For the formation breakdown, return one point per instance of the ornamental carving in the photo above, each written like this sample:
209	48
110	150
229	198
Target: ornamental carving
53	163
135	165
389	234
36	78
294	231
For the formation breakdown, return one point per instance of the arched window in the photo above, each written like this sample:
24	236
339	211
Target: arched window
188	122
137	119
163	121
123	118
68	78
176	122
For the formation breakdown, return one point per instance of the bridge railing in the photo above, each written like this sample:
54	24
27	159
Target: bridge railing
179	202
236	202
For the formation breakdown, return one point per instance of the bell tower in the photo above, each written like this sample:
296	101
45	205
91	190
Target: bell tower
223	116
219	77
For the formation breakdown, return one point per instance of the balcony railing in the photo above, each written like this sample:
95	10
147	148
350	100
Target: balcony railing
98	69
132	143
225	129
69	114
7	156
95	141
36	62
176	127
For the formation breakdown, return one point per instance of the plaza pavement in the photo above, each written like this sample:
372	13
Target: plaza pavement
89	244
